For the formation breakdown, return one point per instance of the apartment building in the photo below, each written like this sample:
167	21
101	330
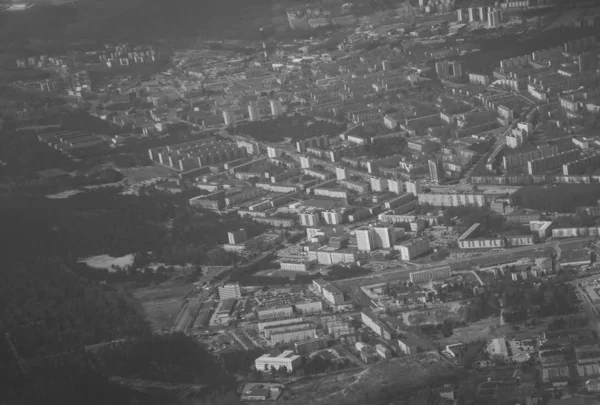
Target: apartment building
425	276
308	308
311	345
414	248
228	291
262	325
311	219
274	313
293	335
371	321
453	200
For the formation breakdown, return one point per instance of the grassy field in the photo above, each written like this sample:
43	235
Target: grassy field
485	329
140	174
435	315
163	302
398	375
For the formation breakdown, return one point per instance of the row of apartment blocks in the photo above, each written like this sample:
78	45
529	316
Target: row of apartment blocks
489	15
455	199
66	141
467	240
575	232
191	155
522	180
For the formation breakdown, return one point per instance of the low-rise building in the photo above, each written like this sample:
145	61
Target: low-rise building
286	359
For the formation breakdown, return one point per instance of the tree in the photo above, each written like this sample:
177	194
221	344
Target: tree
273	371
283	371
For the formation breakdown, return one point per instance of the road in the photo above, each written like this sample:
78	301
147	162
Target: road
588	306
485	260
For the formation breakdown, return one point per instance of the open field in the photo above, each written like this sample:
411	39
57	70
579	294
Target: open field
485	329
436	315
162	303
398	375
140	174
106	261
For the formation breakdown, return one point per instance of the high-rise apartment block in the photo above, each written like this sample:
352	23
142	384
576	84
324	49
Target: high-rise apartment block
273	152
310	219
378	184
228	291
341	173
413	187
414	248
395	186
275	108
364	238
448	69
384	236
369	238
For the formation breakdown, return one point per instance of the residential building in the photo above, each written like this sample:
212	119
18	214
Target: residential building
293	335
364	238
308	308
275	313
311	219
384	236
408	347
434	172
413	187
426	276
228	291
395	186
414	248
311	345
370	320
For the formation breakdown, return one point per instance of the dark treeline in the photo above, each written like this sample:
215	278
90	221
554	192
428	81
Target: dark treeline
53	306
104	222
174	358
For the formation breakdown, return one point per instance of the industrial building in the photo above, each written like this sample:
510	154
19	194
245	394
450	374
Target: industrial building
286	359
228	291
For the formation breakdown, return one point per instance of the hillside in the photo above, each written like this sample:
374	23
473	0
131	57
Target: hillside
137	20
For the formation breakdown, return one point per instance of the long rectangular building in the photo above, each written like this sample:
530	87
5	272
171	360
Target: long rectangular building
263	325
286	359
293	335
275	329
275	313
453	200
425	276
